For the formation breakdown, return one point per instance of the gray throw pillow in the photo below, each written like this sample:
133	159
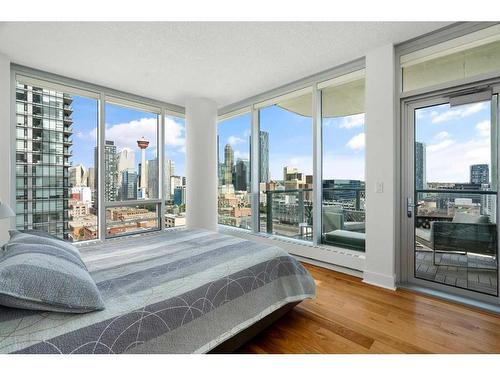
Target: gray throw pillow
46	277
42	238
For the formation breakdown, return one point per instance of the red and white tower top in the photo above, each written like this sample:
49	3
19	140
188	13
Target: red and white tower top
143	143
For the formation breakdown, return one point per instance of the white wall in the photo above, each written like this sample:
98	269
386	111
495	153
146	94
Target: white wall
201	163
5	144
380	168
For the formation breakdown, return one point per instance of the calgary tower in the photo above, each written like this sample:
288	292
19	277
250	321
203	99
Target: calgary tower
143	145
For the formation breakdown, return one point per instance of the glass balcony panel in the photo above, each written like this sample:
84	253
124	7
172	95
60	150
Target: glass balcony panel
287	213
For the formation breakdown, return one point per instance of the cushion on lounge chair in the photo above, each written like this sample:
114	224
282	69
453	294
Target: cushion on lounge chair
347	239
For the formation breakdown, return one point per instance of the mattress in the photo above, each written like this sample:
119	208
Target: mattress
175	291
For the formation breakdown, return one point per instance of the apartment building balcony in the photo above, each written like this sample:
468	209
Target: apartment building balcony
289	213
67	99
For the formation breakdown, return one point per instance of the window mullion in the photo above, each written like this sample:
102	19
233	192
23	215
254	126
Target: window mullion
317	165
255	167
101	208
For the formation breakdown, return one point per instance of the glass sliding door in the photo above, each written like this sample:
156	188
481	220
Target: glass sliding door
286	166
451	202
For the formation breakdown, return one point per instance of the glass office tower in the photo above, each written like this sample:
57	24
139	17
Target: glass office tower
43	142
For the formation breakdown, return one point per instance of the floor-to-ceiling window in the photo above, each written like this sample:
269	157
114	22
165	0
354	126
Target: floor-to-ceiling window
56	188
286	166
130	169
233	140
343	146
175	172
88	164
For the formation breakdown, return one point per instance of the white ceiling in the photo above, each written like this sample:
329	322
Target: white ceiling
170	61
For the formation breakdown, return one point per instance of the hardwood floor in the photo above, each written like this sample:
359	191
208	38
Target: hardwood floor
349	316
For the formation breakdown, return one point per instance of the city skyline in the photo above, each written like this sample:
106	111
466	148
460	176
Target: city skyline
124	126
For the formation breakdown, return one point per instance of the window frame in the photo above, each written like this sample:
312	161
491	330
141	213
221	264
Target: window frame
103	95
253	104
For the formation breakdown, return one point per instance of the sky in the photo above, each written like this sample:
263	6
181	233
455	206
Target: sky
124	126
290	142
455	138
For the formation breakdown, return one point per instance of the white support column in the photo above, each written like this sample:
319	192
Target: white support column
201	163
380	168
6	147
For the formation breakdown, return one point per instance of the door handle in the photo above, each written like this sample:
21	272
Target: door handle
410	206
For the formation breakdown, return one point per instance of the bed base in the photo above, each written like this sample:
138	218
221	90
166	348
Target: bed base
241	338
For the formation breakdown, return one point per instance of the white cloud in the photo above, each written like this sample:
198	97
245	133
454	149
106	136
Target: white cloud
452	163
457	112
440	145
127	134
233	140
357	142
354	121
174	133
483	128
442	135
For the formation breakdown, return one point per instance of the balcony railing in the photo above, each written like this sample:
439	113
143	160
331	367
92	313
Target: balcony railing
290	212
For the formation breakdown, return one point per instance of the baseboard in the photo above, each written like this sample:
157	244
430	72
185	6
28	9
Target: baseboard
379	279
333	267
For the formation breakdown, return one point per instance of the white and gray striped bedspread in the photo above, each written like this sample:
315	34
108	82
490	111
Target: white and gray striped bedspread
176	291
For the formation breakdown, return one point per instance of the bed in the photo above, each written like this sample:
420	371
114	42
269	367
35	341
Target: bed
175	291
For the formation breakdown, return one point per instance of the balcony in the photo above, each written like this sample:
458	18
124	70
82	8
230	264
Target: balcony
67	120
456	239
289	213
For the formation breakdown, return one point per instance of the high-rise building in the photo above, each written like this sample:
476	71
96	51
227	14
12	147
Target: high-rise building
264	156
229	164
77	175
81	194
152	176
91	181
180	195
420	166
38	127
110	171
169	172
129	184
125	160
479	174
175	181
343	191
221	171
242	175
292	173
